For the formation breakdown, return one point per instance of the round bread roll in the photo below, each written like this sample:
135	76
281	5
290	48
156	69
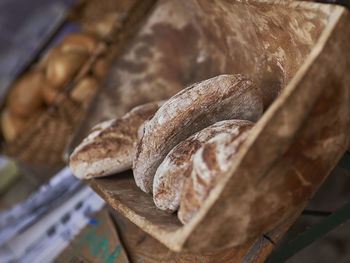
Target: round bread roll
192	109
53	52
62	68
110	146
11	125
78	42
103	26
176	167
100	68
209	164
85	89
25	95
49	93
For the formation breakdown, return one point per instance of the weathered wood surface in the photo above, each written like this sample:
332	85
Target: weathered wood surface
309	124
295	144
141	247
185	41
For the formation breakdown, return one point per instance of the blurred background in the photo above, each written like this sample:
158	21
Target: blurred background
55	56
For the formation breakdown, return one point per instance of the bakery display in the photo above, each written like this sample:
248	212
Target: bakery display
207	120
39	87
284	48
74	63
223	160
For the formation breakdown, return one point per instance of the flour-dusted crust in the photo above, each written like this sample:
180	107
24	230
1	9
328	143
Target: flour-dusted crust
210	162
110	145
192	109
177	165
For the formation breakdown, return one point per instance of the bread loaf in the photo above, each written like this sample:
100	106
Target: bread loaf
25	96
210	162
49	93
85	89
110	146
62	68
100	67
177	165
192	109
11	125
104	26
78	42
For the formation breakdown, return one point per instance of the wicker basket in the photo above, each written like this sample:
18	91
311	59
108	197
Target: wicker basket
46	135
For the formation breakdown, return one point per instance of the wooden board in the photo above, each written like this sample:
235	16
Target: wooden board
141	247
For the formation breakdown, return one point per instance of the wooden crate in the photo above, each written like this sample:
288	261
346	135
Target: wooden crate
300	48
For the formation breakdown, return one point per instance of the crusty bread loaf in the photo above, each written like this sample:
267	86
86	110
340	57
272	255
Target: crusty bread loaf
25	96
49	93
177	165
85	89
78	42
61	68
103	26
100	67
192	109
49	55
210	162
11	125
110	146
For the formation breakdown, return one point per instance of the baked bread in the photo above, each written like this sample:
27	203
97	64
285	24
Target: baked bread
84	90
209	164
25	98
192	109
101	67
62	68
11	125
110	146
53	52
78	42
177	165
49	93
103	26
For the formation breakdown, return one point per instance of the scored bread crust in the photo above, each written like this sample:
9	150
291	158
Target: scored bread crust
192	109
209	164
177	165
110	145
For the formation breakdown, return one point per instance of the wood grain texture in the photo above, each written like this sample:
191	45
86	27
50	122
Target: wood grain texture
292	148
141	247
307	138
183	42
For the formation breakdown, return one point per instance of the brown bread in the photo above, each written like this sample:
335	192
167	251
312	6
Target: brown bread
110	146
210	162
177	165
220	98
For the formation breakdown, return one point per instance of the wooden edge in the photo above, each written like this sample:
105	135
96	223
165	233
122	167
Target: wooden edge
270	119
175	239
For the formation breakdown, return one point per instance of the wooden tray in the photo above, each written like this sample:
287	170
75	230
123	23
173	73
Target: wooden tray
302	49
